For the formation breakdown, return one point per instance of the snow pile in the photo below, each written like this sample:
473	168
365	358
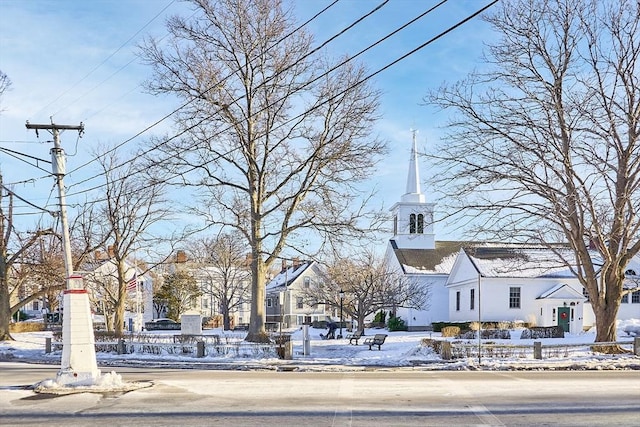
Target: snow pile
111	382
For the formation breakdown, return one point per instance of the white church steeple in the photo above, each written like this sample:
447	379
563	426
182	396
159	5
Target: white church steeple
413	193
413	216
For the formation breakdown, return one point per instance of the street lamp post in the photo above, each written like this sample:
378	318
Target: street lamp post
341	293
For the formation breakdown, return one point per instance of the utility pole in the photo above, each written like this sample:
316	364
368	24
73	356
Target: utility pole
78	366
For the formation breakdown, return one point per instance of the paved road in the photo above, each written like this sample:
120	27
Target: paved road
378	398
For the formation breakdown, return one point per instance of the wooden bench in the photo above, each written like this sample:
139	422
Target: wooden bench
354	337
378	340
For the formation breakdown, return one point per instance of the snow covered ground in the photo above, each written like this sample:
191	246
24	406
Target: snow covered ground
401	349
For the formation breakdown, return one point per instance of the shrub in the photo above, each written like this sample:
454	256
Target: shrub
396	324
505	325
450	331
543	332
437	326
494	334
380	317
436	345
26	327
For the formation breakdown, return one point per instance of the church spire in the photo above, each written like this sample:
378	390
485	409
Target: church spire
413	193
412	215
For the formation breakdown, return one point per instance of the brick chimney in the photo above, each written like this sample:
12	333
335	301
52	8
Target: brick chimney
181	257
111	251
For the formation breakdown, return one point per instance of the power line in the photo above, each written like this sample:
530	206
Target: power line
103	62
362	81
22	199
17	154
184	131
206	91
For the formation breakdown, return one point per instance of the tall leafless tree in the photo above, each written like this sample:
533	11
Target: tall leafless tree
545	141
274	143
132	206
222	265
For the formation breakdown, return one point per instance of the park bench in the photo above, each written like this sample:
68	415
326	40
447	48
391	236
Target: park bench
378	340
354	337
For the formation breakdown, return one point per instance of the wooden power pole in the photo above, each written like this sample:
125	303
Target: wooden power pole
78	365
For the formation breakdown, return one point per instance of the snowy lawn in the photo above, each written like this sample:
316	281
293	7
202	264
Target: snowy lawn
401	349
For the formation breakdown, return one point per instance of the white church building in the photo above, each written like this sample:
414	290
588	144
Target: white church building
487	282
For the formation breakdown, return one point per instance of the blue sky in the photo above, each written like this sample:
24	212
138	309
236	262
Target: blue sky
76	61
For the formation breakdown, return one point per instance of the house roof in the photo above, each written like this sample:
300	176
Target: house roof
562	291
520	261
287	276
439	260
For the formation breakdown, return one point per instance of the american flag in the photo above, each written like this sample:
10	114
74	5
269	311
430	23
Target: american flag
132	285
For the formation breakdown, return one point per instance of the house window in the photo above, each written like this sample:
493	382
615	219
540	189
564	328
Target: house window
472	299
299	303
514	297
35	305
457	300
395	226
269	302
307	282
585	293
635	297
420	223
625	299
412	223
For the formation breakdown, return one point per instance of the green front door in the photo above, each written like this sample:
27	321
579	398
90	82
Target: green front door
564	317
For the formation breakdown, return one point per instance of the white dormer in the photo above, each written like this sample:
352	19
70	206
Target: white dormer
413	216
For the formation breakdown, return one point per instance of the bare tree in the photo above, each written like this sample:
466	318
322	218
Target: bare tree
222	265
275	143
545	144
5	85
132	206
13	249
42	268
369	285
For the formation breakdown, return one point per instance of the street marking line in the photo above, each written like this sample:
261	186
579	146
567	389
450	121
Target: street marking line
343	417
485	415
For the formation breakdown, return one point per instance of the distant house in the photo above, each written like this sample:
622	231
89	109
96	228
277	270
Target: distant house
100	279
214	283
471	281
284	296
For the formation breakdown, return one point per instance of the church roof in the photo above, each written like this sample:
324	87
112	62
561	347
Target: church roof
438	260
521	261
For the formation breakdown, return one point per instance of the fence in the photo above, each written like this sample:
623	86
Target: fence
184	345
458	350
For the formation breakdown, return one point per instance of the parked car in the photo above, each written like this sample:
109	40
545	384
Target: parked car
162	324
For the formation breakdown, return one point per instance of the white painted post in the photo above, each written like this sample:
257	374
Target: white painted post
306	341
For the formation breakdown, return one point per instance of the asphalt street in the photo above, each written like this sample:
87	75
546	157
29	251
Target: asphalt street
384	397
